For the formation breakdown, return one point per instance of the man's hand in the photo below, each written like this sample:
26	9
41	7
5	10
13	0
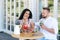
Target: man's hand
43	26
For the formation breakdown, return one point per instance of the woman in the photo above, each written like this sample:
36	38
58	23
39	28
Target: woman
26	18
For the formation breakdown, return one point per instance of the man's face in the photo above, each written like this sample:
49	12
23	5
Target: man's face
45	13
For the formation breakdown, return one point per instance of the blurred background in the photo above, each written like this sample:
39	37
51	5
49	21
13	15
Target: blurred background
10	11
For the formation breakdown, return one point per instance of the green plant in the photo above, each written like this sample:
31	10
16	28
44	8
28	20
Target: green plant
50	3
58	25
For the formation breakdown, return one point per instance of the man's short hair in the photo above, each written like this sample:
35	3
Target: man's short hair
46	8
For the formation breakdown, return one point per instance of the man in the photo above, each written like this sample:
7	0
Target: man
48	25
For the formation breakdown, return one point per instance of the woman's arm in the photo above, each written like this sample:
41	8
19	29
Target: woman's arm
32	25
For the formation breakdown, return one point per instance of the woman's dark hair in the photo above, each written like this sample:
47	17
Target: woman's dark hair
23	12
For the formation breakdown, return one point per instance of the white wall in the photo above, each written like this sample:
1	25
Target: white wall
32	7
1	14
55	9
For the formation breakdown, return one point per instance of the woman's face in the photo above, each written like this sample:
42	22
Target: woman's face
26	15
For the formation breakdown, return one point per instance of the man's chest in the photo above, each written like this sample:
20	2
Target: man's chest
48	23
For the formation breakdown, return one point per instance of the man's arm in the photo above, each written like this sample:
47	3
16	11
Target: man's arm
51	30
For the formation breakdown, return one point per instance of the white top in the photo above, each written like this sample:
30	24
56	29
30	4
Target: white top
28	22
49	23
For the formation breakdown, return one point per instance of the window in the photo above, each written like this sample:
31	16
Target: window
8	20
12	6
8	8
12	14
12	0
22	5
12	27
17	14
16	4
8	27
12	21
9	0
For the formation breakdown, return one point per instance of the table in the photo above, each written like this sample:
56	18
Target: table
21	37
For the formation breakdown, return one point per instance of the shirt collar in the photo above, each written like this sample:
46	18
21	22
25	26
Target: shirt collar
47	18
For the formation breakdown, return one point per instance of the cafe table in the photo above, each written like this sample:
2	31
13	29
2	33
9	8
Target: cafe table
22	36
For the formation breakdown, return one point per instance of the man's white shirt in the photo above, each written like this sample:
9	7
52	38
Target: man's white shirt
49	22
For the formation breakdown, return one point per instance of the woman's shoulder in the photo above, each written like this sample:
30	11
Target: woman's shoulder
17	22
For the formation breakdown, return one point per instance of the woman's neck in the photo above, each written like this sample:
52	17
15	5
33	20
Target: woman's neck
25	20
